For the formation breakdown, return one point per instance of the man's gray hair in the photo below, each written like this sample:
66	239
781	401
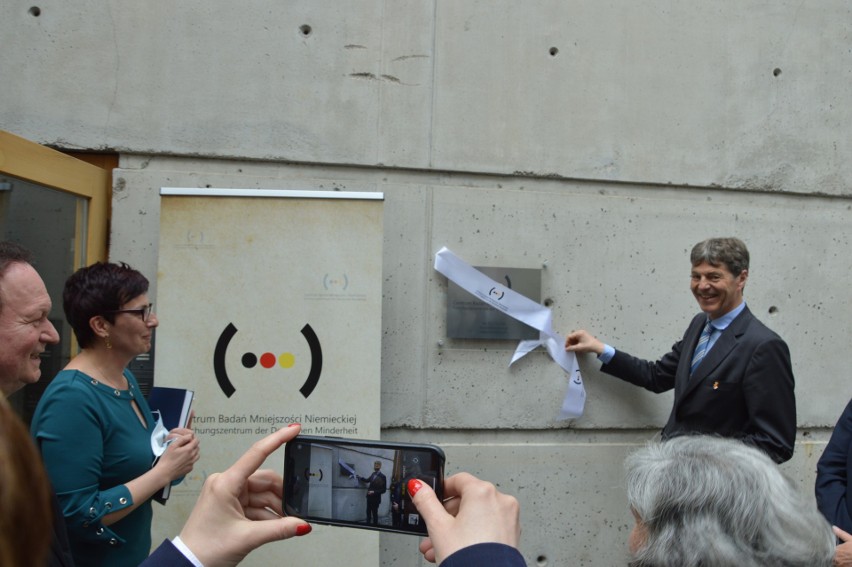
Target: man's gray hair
713	502
731	252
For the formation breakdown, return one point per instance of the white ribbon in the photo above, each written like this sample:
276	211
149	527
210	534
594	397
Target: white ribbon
526	311
349	469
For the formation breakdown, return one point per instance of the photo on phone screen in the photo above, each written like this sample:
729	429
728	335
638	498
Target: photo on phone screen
360	484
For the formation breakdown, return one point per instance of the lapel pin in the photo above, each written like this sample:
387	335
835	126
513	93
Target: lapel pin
716	385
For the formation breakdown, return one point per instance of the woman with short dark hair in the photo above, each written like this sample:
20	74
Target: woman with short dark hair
94	427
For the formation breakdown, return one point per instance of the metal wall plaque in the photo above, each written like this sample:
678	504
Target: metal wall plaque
470	318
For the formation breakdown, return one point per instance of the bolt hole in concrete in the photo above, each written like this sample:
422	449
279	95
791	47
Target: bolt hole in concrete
776	71
35	11
553	51
541	561
305	29
773	310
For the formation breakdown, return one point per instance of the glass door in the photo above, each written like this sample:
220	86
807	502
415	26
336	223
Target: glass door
56	206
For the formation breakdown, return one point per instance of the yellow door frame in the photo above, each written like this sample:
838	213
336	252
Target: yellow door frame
45	166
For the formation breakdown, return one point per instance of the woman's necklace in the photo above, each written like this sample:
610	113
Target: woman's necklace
120	384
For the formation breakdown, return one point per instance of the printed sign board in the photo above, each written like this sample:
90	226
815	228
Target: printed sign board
270	310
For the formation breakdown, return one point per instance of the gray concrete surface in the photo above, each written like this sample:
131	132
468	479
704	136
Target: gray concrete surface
598	139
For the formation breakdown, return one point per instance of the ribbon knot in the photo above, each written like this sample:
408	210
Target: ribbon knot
526	311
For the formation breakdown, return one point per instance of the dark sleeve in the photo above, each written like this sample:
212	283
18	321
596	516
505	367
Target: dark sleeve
769	391
167	555
60	547
485	555
656	376
833	470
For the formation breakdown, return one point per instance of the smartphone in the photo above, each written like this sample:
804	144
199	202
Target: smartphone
357	483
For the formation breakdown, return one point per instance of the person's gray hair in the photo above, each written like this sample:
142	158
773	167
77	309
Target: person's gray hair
712	502
731	252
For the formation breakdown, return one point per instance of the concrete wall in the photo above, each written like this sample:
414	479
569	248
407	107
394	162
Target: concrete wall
598	139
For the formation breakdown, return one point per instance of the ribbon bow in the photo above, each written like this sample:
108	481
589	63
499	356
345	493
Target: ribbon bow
526	311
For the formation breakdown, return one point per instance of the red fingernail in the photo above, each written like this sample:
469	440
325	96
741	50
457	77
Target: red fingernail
413	486
294	425
303	529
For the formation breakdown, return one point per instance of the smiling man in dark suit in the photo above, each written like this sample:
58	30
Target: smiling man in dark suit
377	485
731	374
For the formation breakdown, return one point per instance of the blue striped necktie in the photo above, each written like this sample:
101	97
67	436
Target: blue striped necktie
701	347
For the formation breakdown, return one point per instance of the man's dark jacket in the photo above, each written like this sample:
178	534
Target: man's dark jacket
833	470
743	388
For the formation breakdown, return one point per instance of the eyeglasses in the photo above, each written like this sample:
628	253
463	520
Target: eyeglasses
144	312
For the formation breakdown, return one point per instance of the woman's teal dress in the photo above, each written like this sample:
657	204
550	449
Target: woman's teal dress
93	442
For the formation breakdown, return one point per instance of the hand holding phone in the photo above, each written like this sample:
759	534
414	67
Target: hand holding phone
237	510
357	483
474	512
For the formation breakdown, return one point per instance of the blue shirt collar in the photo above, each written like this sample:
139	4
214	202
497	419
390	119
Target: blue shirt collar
722	322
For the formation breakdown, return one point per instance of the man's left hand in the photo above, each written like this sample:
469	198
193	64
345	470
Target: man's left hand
240	509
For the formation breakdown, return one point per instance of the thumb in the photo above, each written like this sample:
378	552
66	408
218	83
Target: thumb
230	551
841	535
177	440
267	531
427	502
180	434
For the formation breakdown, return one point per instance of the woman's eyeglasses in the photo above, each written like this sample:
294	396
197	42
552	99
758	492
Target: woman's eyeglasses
144	312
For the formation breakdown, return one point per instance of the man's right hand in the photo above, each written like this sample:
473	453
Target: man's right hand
582	342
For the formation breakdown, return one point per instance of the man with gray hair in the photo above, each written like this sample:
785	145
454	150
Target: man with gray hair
731	375
703	501
25	332
377	485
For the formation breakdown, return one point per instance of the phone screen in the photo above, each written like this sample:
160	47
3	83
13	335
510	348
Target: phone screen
360	484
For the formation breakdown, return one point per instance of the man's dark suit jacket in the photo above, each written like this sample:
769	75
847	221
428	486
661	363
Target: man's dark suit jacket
378	483
60	547
833	471
167	555
743	388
